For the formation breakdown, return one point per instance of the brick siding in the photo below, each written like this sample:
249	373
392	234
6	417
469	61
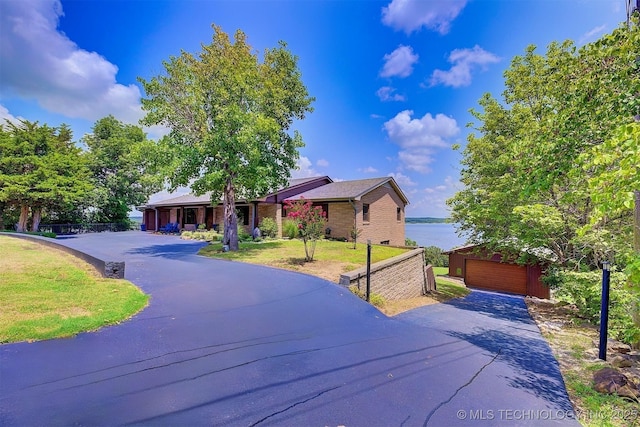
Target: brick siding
383	224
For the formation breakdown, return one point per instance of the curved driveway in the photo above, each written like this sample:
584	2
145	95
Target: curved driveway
226	343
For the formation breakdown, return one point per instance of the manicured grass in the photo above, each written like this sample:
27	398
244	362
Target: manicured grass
440	271
47	293
331	258
448	289
293	250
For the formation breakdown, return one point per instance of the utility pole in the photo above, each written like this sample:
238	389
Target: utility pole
631	8
636	222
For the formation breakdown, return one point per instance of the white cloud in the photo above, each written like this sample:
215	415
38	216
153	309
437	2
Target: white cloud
402	179
387	93
376	116
322	163
427	131
418	138
6	115
303	168
399	63
368	169
589	35
411	15
39	62
464	61
417	159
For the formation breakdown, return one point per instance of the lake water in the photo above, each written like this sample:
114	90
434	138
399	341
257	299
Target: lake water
441	235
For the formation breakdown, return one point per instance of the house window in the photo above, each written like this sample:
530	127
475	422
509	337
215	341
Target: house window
398	214
189	216
243	214
365	212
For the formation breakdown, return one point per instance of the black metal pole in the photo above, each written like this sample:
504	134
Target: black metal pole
368	270
604	312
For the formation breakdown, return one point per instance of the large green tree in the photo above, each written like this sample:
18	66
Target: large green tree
118	159
229	115
41	170
525	169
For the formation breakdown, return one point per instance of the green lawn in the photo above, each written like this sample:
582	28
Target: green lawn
47	293
326	250
331	258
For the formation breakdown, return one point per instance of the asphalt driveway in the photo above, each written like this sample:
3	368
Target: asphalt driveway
226	343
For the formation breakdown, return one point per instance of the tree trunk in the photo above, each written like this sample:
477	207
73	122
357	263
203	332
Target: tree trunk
230	217
36	216
21	226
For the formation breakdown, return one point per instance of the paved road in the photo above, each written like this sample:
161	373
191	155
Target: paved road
230	344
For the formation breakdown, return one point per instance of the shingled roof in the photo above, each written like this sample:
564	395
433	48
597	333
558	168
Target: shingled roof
349	190
184	200
333	191
191	199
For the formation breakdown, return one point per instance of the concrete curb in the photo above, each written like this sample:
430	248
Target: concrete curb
108	269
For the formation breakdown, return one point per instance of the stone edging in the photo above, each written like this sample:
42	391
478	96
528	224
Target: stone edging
108	269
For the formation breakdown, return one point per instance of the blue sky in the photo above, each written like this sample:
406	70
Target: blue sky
394	80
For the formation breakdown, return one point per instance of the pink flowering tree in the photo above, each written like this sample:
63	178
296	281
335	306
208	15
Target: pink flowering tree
311	221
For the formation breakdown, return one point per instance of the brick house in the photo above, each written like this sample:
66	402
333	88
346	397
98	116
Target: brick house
376	206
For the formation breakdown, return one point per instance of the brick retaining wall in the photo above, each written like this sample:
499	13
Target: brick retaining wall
400	277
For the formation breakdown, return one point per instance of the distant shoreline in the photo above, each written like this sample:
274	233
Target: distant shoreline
423	220
426	220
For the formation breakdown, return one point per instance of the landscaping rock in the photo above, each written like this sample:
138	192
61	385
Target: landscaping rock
618	347
621	361
614	346
612	381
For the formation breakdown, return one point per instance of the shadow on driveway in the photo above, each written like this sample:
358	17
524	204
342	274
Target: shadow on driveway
495	305
172	250
501	325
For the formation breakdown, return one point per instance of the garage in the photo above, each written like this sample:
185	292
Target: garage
496	276
483	268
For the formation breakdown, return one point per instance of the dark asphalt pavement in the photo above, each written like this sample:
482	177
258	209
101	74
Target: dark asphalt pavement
232	344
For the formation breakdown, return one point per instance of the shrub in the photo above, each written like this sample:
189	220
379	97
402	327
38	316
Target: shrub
207	236
584	290
433	255
202	227
268	227
289	229
243	236
355	233
409	242
311	221
375	299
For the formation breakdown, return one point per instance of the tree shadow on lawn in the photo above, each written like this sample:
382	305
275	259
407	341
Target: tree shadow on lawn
298	262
